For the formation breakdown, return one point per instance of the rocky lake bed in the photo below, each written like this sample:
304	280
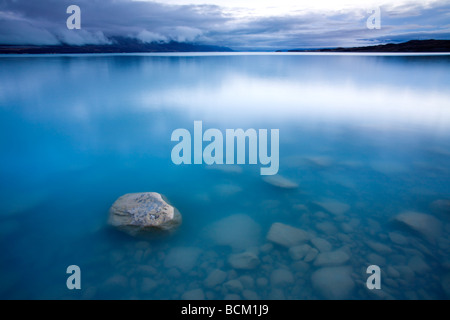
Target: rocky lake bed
308	250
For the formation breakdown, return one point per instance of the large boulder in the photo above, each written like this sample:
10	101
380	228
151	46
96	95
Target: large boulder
143	213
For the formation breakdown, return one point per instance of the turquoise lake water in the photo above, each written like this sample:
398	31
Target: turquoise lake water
363	139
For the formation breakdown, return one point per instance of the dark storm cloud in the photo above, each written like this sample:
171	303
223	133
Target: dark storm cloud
44	22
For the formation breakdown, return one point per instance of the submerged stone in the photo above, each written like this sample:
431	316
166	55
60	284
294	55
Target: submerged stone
321	244
427	226
378	247
281	278
196	294
397	238
311	255
280	182
299	252
286	236
234	286
333	206
238	231
141	213
245	260
333	283
332	258
182	258
441	205
215	278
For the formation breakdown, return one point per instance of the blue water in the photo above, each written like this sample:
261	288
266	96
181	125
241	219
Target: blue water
76	132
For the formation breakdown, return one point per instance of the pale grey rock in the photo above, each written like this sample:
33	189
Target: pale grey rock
281	278
332	258
142	213
286	236
321	244
245	260
280	182
215	278
299	252
333	283
182	258
196	294
424	224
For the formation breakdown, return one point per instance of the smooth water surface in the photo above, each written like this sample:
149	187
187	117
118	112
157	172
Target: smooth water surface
365	138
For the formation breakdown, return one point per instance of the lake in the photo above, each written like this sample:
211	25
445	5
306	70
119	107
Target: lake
364	154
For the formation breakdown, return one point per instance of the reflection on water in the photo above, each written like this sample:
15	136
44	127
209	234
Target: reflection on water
364	143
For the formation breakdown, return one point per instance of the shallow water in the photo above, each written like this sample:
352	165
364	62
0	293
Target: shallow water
365	138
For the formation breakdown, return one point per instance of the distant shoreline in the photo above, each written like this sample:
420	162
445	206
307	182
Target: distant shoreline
119	46
412	46
131	47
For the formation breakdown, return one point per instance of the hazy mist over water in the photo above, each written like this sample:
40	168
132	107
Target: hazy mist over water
365	138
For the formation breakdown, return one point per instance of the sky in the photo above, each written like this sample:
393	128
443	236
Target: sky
246	25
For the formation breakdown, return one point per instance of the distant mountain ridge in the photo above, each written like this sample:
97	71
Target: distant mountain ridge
410	46
119	45
129	45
